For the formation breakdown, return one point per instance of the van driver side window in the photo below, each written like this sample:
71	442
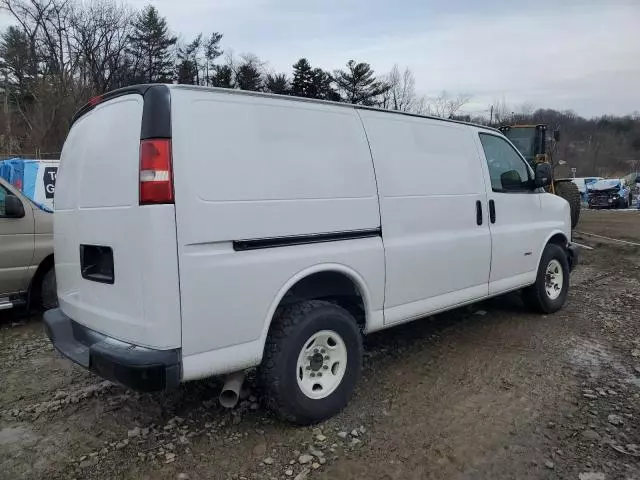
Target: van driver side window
508	171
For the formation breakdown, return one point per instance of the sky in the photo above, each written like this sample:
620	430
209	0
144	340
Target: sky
582	55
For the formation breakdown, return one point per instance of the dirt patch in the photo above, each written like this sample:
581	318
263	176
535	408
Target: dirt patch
490	391
623	225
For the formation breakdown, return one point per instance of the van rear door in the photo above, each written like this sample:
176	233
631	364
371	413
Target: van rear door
116	260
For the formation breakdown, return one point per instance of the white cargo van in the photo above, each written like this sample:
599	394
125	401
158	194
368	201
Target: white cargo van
203	232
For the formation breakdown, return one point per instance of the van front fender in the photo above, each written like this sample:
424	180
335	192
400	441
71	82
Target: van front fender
558	237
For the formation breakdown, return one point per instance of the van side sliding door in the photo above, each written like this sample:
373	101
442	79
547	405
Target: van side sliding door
434	223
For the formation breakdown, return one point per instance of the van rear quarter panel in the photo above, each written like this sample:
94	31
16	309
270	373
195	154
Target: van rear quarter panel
250	167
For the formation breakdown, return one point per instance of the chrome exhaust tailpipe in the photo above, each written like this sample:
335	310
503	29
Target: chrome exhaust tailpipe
230	393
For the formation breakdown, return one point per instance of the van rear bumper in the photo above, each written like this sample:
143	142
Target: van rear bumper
139	368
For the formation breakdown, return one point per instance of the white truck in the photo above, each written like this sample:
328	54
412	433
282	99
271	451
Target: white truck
203	231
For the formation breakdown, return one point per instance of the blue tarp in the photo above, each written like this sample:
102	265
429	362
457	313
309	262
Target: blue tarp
13	172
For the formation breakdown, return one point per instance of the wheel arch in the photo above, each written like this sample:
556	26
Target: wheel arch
314	272
557	237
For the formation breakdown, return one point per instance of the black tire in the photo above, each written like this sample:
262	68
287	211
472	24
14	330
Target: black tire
292	328
48	290
535	296
569	191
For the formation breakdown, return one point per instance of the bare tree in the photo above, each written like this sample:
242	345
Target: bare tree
421	105
47	25
501	112
523	113
45	104
30	16
101	33
526	109
445	105
402	92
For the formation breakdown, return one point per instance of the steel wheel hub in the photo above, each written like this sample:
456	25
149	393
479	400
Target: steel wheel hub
321	364
554	278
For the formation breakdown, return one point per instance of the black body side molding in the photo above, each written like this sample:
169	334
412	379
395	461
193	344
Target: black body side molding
274	242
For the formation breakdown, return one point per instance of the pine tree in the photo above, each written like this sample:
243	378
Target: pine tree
18	64
222	76
248	75
151	47
187	72
312	82
277	83
322	86
212	51
359	85
302	84
188	68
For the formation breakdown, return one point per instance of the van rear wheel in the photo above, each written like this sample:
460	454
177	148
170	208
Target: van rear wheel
312	361
549	293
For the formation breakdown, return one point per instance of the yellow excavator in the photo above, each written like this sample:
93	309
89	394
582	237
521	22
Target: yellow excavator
531	141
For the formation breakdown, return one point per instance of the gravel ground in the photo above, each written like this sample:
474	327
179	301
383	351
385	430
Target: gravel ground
489	391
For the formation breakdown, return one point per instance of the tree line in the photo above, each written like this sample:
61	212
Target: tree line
59	53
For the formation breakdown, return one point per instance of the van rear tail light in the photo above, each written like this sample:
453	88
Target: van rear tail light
156	176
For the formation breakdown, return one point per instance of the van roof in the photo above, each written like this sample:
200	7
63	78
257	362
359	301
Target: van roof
233	91
142	88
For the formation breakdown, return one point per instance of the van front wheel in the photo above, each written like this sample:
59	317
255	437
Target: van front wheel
549	293
312	361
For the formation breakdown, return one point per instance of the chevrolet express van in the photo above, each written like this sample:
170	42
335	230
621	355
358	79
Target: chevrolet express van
202	231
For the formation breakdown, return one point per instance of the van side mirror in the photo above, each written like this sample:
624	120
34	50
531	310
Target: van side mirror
543	175
556	135
511	180
13	207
